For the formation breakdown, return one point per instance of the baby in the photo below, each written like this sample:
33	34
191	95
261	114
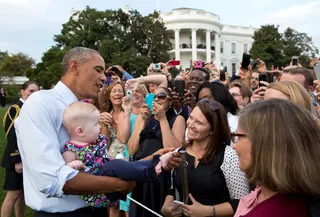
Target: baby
87	149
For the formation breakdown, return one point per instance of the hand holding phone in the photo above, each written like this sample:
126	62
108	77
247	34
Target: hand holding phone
150	100
199	64
129	93
177	205
174	62
245	60
295	60
180	86
156	67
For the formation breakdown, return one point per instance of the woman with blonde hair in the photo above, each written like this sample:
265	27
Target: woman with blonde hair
280	152
289	90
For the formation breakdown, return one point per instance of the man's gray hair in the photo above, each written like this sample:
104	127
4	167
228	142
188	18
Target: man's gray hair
79	54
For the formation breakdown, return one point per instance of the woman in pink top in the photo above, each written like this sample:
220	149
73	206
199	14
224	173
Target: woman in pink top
278	145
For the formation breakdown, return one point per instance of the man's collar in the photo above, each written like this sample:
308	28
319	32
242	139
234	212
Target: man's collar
66	94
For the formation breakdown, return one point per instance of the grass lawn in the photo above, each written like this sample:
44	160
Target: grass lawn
3	143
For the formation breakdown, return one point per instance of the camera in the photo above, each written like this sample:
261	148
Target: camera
254	64
156	67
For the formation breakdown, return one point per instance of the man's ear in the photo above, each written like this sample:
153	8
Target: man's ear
79	131
309	89
246	99
73	67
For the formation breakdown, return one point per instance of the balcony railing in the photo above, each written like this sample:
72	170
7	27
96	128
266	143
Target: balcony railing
189	46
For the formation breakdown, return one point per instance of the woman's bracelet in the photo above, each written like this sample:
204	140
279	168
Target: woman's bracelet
213	211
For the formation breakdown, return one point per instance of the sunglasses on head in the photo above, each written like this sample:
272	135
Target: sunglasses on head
161	96
214	106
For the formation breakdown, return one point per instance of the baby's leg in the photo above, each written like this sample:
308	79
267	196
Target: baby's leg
140	171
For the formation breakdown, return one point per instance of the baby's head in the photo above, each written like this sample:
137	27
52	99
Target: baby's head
82	121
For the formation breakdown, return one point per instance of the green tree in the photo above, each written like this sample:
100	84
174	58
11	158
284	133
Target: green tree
17	64
127	39
268	44
14	65
298	44
48	71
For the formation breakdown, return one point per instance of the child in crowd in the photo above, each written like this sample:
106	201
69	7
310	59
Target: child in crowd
87	149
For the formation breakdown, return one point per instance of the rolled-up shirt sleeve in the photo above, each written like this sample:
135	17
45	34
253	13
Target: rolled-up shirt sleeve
37	136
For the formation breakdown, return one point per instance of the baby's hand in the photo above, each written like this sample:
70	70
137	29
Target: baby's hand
78	165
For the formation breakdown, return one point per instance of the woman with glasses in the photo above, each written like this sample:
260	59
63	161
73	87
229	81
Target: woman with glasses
215	181
152	133
280	152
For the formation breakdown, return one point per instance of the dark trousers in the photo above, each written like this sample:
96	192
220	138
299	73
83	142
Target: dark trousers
139	171
84	212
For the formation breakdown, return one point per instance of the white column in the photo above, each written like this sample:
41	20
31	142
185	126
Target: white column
177	42
194	44
217	49
208	45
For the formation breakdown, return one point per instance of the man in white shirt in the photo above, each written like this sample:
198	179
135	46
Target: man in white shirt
49	185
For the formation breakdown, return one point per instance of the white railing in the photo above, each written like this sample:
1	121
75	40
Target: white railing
189	14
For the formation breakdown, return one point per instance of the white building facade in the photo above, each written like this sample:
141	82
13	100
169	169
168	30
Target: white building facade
199	35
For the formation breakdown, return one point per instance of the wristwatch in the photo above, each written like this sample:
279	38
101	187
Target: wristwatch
213	211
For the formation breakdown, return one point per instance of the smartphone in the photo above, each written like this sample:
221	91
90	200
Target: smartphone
267	77
199	64
316	68
116	70
180	86
245	60
129	93
295	60
174	62
150	100
254	64
223	74
178	202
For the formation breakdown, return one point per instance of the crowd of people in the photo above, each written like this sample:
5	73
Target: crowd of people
103	143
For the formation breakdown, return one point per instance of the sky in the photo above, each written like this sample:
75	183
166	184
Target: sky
29	26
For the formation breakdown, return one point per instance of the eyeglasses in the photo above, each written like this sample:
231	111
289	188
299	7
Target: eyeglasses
236	136
212	104
161	96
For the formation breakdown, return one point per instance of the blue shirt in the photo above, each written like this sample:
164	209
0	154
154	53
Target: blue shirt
41	138
127	76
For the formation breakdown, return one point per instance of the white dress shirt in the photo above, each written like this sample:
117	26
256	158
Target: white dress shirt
41	138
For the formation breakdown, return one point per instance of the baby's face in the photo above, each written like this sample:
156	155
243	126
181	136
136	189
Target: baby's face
91	129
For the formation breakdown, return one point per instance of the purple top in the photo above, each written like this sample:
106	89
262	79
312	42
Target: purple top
280	205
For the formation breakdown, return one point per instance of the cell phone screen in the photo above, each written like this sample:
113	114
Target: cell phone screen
150	100
295	61
245	60
180	86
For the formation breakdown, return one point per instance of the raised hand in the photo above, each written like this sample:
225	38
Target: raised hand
132	83
159	112
126	104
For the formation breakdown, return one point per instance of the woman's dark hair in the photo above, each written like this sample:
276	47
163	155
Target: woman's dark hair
220	94
166	90
220	130
26	84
